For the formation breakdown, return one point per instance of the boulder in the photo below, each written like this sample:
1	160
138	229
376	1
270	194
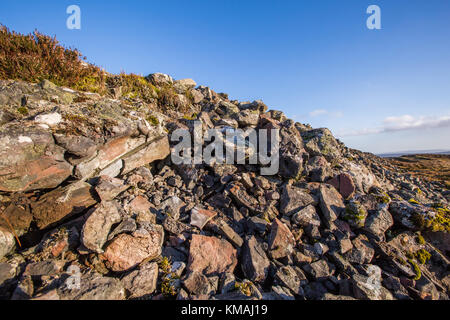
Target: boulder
294	199
211	256
141	282
98	225
127	251
29	160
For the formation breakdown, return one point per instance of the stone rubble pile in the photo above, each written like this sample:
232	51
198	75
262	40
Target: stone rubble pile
88	186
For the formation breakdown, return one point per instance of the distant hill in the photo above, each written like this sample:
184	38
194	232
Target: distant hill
412	152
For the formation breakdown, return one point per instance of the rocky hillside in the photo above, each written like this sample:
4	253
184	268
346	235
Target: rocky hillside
91	206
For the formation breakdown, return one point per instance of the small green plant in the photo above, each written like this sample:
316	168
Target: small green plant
167	285
23	111
416	269
36	57
422	256
420	239
244	287
153	120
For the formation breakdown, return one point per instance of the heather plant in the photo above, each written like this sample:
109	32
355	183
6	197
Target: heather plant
35	57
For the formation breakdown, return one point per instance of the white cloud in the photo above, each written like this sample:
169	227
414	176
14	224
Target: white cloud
401	123
322	112
317	113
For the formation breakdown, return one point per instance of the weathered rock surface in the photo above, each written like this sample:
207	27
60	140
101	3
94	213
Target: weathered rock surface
255	263
62	203
142	282
29	160
98	225
211	255
127	251
281	241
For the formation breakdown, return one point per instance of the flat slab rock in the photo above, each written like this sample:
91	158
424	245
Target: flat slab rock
211	255
62	203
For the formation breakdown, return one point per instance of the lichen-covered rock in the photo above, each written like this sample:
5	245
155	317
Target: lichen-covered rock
320	142
294	199
355	214
93	287
29	160
379	222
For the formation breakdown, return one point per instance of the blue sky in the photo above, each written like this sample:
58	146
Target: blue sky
378	90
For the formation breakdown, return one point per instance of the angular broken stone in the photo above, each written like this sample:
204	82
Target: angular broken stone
230	234
378	223
141	282
294	199
281	241
127	251
44	268
139	205
255	263
331	203
172	207
198	284
109	188
362	252
78	146
128	225
200	217
98	225
93	286
244	199
108	154
318	270
211	255
306	217
344	184
291	278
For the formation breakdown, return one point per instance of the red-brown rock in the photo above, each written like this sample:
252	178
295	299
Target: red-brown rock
62	203
127	251
211	255
281	241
